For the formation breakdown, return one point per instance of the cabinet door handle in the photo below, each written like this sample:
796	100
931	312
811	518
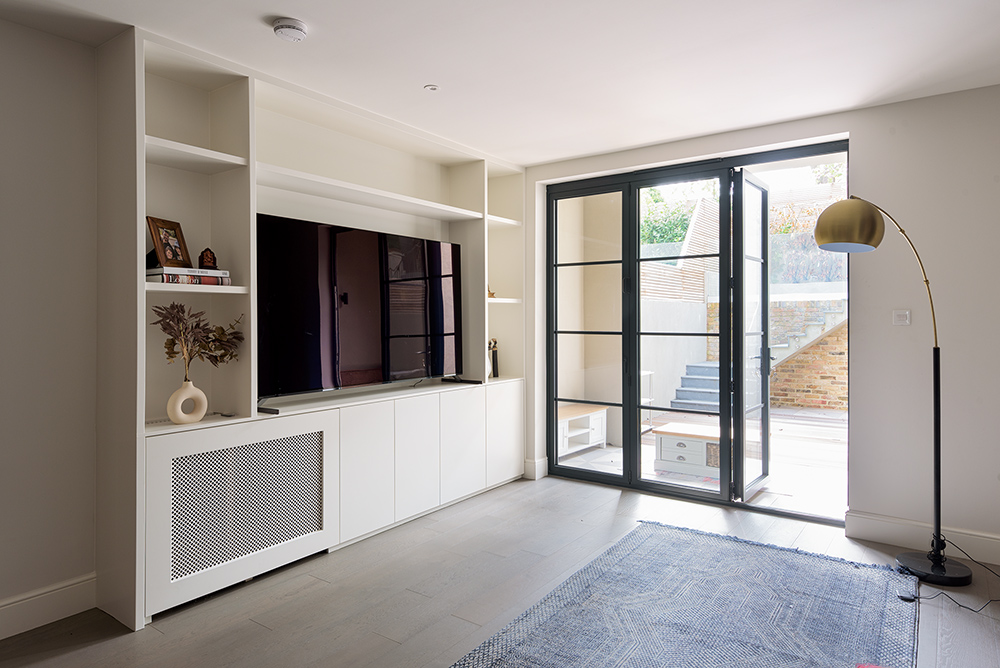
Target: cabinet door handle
681	458
681	444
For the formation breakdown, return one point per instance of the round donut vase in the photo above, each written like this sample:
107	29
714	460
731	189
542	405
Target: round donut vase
175	404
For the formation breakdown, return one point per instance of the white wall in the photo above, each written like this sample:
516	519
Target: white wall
48	301
933	164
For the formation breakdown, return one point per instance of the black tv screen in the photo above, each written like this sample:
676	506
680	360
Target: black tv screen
341	307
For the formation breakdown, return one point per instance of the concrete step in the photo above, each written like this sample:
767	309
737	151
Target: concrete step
702	382
703	369
688	405
698	394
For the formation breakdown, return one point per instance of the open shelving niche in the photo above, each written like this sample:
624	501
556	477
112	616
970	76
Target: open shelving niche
198	144
214	144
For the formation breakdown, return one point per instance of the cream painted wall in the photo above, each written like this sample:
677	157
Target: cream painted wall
933	164
48	301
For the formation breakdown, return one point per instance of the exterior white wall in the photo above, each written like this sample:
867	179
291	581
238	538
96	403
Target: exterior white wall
933	164
48	302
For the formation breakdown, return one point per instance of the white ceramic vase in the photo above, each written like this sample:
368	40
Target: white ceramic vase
176	401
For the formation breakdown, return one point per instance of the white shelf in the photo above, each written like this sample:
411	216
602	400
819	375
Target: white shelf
500	221
310	184
165	426
503	300
199	289
168	153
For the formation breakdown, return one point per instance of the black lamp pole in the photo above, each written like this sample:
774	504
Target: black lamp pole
933	567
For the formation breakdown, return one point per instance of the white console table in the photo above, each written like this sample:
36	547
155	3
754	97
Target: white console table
581	426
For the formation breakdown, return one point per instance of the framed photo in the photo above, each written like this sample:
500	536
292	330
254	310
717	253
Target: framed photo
168	241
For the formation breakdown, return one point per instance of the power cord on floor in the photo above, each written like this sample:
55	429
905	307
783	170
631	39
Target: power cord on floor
910	598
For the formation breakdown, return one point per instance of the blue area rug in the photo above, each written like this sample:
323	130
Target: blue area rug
664	596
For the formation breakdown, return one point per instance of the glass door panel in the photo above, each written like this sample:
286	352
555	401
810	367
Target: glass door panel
587	334
589	228
589	298
752	360
679	323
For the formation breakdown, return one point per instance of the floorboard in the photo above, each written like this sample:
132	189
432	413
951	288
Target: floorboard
425	593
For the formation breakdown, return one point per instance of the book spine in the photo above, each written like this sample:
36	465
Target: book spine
190	280
186	271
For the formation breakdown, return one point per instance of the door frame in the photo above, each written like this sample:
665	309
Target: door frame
624	182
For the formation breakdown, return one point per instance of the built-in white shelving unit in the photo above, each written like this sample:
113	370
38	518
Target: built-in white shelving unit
209	144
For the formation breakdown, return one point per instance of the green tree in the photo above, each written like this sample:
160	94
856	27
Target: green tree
662	220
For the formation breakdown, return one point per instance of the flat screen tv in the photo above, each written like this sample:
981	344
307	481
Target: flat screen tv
341	307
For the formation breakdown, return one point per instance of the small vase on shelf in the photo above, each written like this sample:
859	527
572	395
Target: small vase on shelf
175	404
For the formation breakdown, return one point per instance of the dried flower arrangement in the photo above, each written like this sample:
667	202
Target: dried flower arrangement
196	338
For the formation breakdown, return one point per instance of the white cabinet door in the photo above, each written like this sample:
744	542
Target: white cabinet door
418	455
504	432
367	469
463	442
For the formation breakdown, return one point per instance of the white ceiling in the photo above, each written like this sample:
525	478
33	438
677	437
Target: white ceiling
533	81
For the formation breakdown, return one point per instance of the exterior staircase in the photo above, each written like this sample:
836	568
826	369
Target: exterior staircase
811	332
699	389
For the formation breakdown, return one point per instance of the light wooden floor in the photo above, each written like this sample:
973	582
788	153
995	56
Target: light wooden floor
427	592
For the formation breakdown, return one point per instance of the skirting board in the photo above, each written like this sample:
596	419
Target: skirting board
536	469
917	536
36	608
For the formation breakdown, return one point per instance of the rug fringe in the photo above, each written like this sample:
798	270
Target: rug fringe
856	564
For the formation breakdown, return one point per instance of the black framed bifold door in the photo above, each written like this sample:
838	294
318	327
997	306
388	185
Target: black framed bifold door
659	354
639	345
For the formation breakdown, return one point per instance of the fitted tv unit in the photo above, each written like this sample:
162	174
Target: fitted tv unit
342	307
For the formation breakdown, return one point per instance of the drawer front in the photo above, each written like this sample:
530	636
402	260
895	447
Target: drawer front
696	458
668	446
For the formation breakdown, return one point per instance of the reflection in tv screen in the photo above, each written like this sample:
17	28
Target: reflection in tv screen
341	307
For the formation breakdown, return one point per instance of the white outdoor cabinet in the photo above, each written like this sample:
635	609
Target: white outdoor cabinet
418	455
367	468
463	443
504	432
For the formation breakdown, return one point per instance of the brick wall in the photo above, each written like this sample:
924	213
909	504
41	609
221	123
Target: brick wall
815	377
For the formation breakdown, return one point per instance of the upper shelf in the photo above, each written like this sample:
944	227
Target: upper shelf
309	184
152	286
168	153
500	221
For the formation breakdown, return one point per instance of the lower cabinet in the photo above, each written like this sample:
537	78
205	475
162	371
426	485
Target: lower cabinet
504	432
227	503
418	455
463	442
367	468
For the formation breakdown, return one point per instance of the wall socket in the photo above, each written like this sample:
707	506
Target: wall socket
901	317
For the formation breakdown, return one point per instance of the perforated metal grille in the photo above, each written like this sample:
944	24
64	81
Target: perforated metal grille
229	503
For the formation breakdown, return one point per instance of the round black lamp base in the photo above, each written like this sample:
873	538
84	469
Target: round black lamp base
948	573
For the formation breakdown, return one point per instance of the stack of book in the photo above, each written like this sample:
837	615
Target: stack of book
188	275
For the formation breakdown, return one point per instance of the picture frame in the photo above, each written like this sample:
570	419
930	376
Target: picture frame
168	242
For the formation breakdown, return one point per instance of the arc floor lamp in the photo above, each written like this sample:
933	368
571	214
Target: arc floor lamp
855	225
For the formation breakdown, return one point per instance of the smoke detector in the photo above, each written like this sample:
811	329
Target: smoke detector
290	30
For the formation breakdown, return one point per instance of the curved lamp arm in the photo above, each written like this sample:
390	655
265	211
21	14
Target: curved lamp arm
923	272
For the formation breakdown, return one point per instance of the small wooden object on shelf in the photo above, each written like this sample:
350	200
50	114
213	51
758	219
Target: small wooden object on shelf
207	260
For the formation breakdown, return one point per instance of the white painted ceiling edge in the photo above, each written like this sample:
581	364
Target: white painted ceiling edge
536	81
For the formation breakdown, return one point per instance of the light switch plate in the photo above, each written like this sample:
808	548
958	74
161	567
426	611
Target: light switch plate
901	317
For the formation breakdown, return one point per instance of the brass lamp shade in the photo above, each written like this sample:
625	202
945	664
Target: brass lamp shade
850	226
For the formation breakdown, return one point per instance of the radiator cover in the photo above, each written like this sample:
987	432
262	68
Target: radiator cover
229	503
